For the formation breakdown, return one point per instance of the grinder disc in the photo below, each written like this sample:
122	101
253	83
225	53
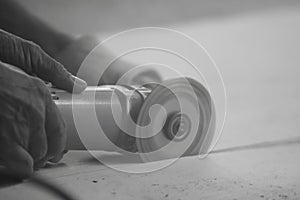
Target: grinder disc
177	119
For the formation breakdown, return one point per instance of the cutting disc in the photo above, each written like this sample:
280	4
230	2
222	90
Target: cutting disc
177	119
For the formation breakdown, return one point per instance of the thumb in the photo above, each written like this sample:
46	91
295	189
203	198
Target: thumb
33	60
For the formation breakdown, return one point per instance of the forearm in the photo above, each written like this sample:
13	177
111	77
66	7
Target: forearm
15	19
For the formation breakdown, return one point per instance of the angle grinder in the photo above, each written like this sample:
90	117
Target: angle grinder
172	119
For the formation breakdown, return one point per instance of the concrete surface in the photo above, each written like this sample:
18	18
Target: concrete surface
257	50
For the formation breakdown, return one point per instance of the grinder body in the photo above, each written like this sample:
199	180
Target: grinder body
184	128
109	102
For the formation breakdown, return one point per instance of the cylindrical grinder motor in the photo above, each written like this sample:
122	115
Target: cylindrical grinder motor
172	119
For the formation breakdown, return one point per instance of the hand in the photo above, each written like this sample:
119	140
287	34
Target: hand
74	54
32	130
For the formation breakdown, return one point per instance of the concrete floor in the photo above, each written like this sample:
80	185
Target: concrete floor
257	50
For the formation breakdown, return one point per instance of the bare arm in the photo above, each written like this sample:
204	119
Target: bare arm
15	19
67	50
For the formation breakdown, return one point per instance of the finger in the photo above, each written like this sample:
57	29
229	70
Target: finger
73	55
28	132
38	147
33	60
16	159
59	157
55	131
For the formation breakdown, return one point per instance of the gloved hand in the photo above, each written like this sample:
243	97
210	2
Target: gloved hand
32	130
74	54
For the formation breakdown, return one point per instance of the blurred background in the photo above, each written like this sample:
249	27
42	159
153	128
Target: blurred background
79	17
255	44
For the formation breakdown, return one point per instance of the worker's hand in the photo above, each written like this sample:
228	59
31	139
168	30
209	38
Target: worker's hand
74	54
32	130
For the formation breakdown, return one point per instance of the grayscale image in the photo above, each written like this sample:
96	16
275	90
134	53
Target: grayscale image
149	100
